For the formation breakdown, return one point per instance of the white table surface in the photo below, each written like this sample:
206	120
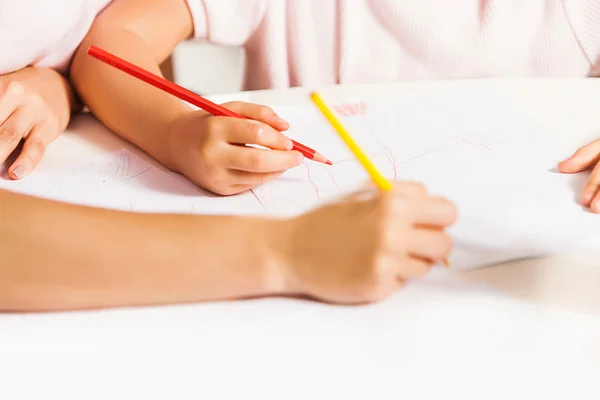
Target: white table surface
153	351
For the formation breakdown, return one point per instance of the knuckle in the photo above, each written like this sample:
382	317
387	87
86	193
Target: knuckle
234	104
239	107
265	112
257	160
10	132
256	133
15	88
264	177
35	100
213	127
205	155
208	154
397	205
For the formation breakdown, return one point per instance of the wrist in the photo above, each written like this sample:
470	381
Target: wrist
274	254
170	148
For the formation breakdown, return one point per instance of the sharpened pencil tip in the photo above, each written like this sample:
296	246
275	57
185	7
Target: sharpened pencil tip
319	158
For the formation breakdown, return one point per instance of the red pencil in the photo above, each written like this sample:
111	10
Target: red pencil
185	94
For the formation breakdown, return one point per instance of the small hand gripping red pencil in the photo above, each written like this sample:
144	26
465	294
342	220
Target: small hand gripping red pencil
185	94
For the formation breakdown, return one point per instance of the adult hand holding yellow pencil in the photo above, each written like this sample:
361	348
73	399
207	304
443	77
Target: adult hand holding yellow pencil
430	221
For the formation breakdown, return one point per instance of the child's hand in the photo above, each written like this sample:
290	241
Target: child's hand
35	105
363	248
210	150
585	158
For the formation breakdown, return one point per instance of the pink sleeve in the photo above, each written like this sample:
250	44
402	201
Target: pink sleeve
584	17
226	22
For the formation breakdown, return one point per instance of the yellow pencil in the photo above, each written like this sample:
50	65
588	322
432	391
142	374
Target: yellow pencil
382	183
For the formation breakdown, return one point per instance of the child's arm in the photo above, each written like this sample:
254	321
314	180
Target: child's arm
203	147
57	256
35	105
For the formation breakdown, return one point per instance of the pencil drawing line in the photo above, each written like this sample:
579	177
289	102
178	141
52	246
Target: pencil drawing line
120	181
343	160
311	181
476	144
417	156
257	197
473	143
392	160
129	164
331	176
389	155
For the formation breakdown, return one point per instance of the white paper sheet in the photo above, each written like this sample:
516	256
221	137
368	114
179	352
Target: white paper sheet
495	165
123	181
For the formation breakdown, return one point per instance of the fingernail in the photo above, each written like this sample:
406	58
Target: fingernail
289	145
20	172
586	198
300	158
597	205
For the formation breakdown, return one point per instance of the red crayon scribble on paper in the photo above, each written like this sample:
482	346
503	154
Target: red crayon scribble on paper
351	109
472	143
415	157
268	196
331	176
389	156
311	181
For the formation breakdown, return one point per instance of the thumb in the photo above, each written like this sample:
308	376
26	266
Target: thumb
584	158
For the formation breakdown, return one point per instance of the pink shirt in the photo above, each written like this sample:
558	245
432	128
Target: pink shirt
315	42
43	33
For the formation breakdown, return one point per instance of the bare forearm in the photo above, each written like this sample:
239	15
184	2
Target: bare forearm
135	110
58	256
